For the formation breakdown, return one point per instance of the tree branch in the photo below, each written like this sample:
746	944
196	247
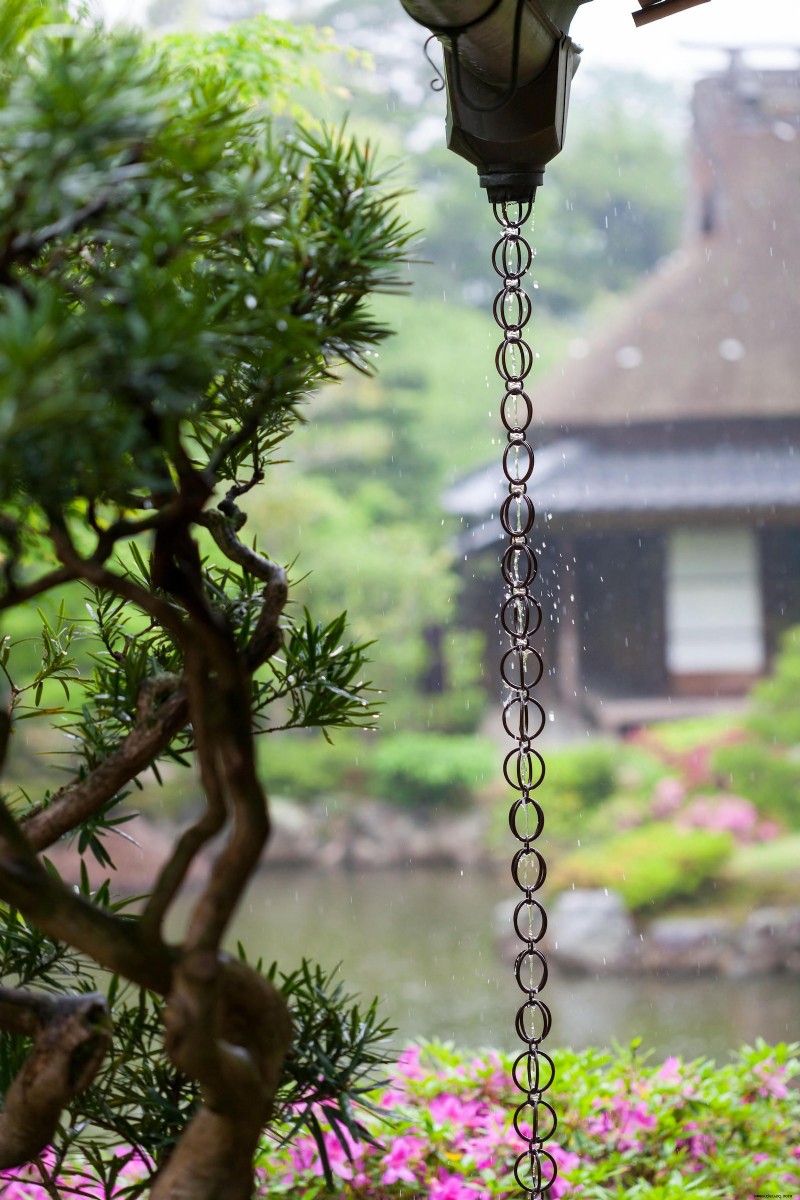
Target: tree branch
37	587
238	1068
71	1035
77	801
266	638
113	942
227	765
94	571
193	839
5	734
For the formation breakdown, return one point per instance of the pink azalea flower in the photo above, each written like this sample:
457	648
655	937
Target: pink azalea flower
138	1166
698	1145
408	1064
671	1070
404	1154
450	1187
449	1109
566	1162
565	1159
343	1161
732	814
772	1077
600	1125
304	1155
668	795
496	1081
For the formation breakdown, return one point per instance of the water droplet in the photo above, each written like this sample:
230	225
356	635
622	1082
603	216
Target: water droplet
629	357
731	349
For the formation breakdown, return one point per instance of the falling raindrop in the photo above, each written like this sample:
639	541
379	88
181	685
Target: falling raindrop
731	349
629	357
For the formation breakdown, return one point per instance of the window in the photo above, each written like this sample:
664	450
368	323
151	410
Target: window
713	610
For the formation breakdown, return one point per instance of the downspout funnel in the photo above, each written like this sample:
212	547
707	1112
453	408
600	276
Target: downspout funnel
508	69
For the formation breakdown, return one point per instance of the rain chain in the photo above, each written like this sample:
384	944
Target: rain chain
521	669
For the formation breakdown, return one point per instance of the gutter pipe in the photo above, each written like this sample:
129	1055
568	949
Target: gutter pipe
508	69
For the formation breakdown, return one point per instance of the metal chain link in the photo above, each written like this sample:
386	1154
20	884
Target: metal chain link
521	669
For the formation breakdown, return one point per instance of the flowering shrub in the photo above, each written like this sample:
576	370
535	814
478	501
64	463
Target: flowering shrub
120	1175
650	865
441	1130
625	1128
731	814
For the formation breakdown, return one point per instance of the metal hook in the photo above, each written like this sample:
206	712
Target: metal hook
453	33
437	84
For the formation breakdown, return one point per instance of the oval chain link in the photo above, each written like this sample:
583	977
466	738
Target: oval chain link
521	669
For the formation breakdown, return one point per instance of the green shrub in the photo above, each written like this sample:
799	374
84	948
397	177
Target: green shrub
586	773
767	777
681	737
423	770
304	767
765	872
638	769
648	866
775	714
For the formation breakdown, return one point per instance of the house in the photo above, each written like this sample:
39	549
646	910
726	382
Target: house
667	479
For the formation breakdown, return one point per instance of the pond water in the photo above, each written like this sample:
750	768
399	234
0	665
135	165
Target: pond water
422	940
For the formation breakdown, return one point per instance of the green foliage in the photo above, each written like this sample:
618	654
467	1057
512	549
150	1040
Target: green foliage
648	866
583	773
257	265
426	770
270	60
579	782
319	675
769	872
627	1127
364	477
775	702
338	1048
766	776
686	735
176	278
307	768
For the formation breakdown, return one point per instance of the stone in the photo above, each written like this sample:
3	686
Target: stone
591	929
687	945
294	839
791	940
760	945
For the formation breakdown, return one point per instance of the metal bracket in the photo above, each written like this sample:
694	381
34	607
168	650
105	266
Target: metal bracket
654	10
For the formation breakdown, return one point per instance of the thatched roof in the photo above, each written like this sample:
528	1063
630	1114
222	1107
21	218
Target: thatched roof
714	333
